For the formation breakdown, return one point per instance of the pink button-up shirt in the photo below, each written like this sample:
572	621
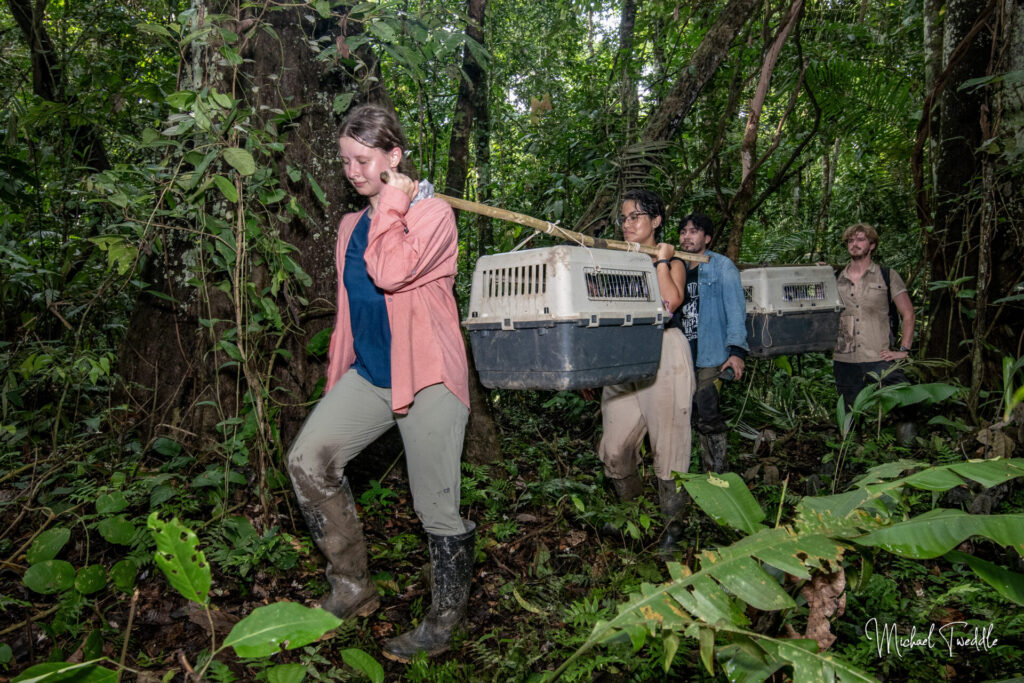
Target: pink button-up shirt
411	254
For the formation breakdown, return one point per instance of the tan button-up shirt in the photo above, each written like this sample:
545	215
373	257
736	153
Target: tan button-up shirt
864	323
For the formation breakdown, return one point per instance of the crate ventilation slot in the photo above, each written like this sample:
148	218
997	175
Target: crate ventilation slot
515	281
805	291
609	284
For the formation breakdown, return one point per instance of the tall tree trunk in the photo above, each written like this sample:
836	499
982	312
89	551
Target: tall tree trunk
951	246
740	205
627	87
179	385
48	80
472	78
664	122
482	443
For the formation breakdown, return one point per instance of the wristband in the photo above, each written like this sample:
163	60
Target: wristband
663	260
905	349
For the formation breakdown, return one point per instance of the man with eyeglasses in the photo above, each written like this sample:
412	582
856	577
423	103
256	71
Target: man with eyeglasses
658	407
713	319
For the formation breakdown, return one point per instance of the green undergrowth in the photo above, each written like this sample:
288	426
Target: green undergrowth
567	578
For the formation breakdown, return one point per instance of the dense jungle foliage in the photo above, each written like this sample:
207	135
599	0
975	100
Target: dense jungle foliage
170	187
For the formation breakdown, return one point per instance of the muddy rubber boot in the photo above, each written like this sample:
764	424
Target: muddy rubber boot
451	569
672	500
713	452
905	432
627	488
338	534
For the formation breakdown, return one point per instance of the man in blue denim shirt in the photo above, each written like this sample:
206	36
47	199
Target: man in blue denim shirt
713	318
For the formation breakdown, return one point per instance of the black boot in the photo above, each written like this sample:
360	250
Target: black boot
338	533
672	500
627	488
451	569
713	452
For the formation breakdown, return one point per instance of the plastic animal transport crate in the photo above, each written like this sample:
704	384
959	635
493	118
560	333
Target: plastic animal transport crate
791	309
564	317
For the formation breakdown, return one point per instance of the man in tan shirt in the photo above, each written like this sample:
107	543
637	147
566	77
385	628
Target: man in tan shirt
864	343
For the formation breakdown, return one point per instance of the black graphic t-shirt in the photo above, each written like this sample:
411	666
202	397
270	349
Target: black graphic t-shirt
691	307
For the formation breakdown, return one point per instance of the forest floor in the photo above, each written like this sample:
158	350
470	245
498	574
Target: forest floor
544	573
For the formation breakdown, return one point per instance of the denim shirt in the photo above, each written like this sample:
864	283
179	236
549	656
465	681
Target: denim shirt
722	316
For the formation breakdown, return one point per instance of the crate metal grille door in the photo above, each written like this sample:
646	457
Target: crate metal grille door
515	281
620	285
804	291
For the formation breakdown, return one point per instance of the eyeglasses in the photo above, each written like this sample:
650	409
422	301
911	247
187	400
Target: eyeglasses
629	218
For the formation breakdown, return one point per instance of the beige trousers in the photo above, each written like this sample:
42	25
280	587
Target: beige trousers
660	407
353	414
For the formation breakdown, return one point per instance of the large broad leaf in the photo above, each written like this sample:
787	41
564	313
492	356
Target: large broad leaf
123	574
91	579
47	544
117	530
745	579
51	672
939	531
727	499
286	673
111	503
1008	584
363	663
283	624
240	160
810	666
179	556
50	576
990	473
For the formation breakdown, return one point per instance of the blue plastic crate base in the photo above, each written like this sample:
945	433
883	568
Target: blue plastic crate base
780	335
564	317
791	309
565	355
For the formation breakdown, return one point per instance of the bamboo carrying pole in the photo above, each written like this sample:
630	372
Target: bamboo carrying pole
554	230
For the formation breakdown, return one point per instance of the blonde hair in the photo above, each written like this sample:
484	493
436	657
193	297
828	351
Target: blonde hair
868	231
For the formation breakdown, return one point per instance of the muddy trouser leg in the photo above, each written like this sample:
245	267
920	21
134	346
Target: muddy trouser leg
432	432
623	432
711	424
667	404
344	422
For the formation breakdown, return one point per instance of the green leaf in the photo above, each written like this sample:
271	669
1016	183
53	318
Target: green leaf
316	189
6	653
226	187
111	503
323	8
363	663
671	646
179	557
51	672
990	473
727	500
743	661
282	624
91	579
47	544
123	574
937	532
745	579
1008	584
342	102
286	673
165	446
706	638
382	30
117	530
240	160
50	576
934	479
